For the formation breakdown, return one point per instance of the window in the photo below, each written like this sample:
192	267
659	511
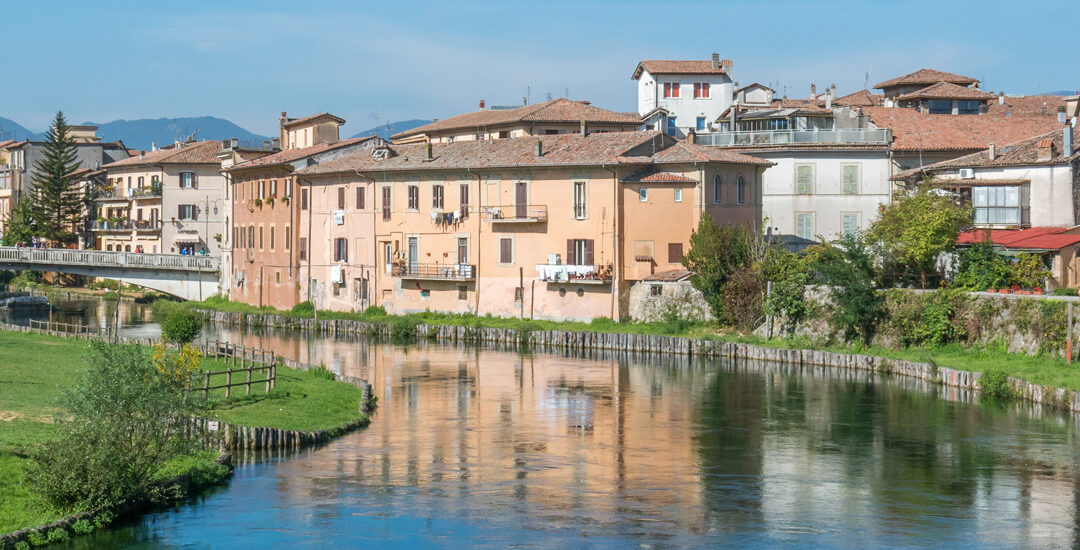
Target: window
186	212
140	181
462	292
341	198
716	186
700	124
414	197
303	248
288	187
260	237
674	253
849	224
804	225
273	188
153	180
288	237
656	290
503	134
740	191
236	237
341	250
359	198
506	250
998	205
678	195
671	89
262	189
386	202
551	132
850	174
463	250
277	277
804	179
579	251
580	210
187	180
940	106
303	199
968	106
271	238
251	236
672	129
464	202
701	90
643	194
437	197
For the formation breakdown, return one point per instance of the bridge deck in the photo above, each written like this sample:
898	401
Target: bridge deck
98	258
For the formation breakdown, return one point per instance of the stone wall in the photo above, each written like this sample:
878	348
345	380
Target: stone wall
680	299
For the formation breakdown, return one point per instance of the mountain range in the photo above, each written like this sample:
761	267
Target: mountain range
388	130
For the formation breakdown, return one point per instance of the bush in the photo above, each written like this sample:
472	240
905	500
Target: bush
304	309
36	539
181	326
57	535
103	519
403	329
937	324
981	268
789	275
82	527
322	372
848	272
995	385
1029	271
743	298
1063	292
22	545
716	252
375	311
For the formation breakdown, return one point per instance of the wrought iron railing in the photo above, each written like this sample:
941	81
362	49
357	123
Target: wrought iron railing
516	213
457	272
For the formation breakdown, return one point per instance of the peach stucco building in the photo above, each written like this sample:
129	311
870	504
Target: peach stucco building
546	227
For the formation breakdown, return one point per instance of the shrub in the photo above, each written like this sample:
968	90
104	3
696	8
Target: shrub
848	272
322	372
304	309
103	519
403	329
743	297
995	385
82	527
789	275
22	545
937	324
1063	292
36	539
716	252
181	326
57	535
375	311
1029	271
981	268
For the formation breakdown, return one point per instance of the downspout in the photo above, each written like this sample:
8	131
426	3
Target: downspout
479	226
616	275
310	209
700	190
373	294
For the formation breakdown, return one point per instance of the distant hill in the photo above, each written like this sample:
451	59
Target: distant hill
1060	92
395	127
142	133
9	129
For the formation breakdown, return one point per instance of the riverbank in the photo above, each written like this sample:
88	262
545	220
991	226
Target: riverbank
34	368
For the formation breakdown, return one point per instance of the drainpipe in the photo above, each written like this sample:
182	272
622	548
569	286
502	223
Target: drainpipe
700	189
479	226
373	295
616	275
310	209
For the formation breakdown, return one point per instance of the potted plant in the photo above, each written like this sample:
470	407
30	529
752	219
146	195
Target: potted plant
270	200
1015	289
992	290
258	202
285	199
1037	291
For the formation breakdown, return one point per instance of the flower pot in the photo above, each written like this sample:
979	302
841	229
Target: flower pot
1038	292
1004	291
992	290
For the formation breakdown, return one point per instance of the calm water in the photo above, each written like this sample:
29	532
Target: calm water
494	448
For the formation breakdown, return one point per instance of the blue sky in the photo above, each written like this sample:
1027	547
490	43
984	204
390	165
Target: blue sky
378	61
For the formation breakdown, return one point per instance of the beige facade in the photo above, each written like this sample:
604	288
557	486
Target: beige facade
127	210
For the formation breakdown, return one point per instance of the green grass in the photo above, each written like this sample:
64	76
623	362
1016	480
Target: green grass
35	368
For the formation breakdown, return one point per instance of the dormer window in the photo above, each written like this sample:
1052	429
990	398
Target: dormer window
671	89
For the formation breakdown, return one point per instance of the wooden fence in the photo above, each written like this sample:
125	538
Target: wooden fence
260	360
56	326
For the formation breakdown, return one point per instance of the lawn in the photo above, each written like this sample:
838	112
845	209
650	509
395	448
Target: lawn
35	368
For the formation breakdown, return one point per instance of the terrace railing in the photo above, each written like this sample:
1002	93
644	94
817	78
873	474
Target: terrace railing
430	271
863	136
61	256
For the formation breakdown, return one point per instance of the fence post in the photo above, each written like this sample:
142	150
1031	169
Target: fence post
228	383
206	386
248	390
269	375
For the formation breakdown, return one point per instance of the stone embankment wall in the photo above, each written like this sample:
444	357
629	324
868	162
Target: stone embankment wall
651	343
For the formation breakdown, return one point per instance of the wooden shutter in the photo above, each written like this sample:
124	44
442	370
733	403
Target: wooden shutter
588	252
194	180
570	259
464	200
386	203
180	212
674	253
341	198
344	250
359	198
705	89
667	89
505	251
303	248
303	199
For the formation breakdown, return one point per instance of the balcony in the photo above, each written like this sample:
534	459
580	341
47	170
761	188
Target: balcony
153	191
516	213
855	136
574	274
125	225
435	272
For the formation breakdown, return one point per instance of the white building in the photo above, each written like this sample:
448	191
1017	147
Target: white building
683	96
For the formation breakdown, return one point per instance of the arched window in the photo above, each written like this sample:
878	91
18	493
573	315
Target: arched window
127	248
108	247
740	189
716	185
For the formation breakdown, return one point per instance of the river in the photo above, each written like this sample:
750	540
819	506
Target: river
496	448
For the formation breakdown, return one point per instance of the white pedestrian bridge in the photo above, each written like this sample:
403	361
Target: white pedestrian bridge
187	277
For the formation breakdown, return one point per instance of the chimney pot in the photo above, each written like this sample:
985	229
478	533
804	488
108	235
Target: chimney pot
1061	114
428	154
539	148
993	151
813	91
583	129
282	114
1067	141
481	104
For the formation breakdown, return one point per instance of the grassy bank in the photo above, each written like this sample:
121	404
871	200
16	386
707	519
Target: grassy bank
35	368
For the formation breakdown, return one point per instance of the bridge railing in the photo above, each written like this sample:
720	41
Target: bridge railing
61	256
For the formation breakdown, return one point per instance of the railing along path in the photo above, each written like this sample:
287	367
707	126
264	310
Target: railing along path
99	258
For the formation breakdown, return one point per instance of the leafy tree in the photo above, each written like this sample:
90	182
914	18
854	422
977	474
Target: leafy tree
181	326
56	203
743	298
715	253
847	271
789	274
122	421
1029	271
981	268
915	229
20	228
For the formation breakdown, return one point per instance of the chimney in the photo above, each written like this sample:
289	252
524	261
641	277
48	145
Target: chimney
690	134
1044	109
1067	141
832	91
481	104
524	101
234	143
1061	115
992	153
1001	99
1044	150
828	100
715	61
983	109
733	126
275	143
428	153
725	65
538	149
583	129
153	146
266	144
813	91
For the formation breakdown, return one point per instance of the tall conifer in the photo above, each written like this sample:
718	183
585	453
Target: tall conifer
56	203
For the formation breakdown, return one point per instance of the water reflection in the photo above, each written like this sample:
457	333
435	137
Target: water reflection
492	447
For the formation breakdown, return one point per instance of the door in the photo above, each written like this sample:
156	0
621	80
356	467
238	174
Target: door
388	257
521	200
414	254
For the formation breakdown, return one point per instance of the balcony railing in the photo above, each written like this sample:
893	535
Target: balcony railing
865	136
574	274
516	213
149	192
125	225
438	272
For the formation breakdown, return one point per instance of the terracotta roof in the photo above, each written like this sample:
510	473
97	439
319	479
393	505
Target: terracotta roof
1021	153
5	143
675	66
1035	238
754	85
811	105
861	98
199	152
290	155
947	90
914	131
556	110
1029	105
926	76
656	176
650	147
673	276
295	121
958	182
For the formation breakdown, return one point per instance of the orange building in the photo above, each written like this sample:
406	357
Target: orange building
546	227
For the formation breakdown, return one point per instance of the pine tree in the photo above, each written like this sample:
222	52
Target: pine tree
56	203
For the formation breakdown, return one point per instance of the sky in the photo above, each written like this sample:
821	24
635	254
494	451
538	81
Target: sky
370	62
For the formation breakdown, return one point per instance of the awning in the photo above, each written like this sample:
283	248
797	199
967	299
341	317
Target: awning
187	238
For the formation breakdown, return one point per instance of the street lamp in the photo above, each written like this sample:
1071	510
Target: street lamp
206	204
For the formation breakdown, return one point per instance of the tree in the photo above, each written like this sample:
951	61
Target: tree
789	274
122	421
715	253
981	268
56	203
847	271
181	326
915	229
20	228
1029	271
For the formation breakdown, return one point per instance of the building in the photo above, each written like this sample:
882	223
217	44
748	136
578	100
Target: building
920	79
557	116
168	201
546	227
680	97
263	227
1059	248
234	152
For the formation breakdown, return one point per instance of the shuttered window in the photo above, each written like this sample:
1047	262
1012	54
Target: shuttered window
579	252
303	199
271	238
851	179
506	251
360	198
386	203
288	237
674	253
341	250
437	197
341	198
804	225
804	179
414	197
303	248
464	201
